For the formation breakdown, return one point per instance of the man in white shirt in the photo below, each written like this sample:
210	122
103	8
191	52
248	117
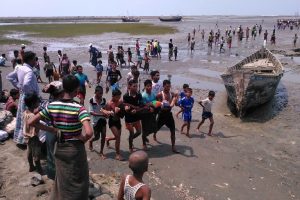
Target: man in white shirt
25	80
157	85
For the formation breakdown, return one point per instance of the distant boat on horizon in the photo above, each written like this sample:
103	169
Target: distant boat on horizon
171	19
130	19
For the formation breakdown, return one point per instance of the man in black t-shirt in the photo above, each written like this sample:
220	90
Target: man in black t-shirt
113	78
133	101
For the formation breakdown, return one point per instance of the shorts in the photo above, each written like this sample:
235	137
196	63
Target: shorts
166	118
34	147
146	66
187	116
130	126
98	128
115	86
101	123
206	115
81	93
49	73
114	123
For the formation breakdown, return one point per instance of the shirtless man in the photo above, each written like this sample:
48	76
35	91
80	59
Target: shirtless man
165	116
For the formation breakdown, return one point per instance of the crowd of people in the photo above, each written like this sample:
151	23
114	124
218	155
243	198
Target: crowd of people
60	119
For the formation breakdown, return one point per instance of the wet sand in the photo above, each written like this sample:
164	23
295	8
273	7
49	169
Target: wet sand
253	158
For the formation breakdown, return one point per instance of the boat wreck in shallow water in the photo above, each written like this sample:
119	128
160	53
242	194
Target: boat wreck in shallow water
253	81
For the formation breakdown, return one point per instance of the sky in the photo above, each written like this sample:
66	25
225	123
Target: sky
28	8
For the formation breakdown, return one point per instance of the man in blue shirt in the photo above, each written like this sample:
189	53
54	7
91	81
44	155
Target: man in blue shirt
82	80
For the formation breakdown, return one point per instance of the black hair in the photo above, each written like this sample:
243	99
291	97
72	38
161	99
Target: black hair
189	89
78	66
185	86
70	83
132	81
100	61
13	92
36	58
59	51
147	82
98	88
19	61
29	56
16	52
3	55
74	62
211	93
153	73
165	82
44	48
31	100
116	93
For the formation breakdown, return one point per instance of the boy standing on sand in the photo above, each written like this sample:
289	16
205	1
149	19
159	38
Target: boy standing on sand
207	114
186	104
132	187
34	146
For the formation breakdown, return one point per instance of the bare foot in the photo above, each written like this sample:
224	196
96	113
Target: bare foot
154	138
107	141
209	134
174	150
119	158
91	146
131	150
102	156
145	148
188	135
182	132
198	130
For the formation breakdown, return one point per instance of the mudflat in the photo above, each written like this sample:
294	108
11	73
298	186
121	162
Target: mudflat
256	157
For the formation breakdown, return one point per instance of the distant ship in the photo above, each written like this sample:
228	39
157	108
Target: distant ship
130	19
171	19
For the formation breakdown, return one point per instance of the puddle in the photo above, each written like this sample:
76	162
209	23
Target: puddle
291	77
55	46
194	83
206	72
297	60
16	35
210	61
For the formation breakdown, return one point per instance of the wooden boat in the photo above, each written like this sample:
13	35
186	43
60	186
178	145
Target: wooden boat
130	19
170	19
253	81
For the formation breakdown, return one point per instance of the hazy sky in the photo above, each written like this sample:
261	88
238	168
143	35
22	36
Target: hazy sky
147	7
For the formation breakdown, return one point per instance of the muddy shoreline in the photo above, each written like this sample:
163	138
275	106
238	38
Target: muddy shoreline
254	158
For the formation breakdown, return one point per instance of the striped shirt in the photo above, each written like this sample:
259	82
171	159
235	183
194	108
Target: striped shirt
67	116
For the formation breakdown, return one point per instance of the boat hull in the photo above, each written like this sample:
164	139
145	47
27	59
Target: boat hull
260	90
170	19
249	85
131	20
